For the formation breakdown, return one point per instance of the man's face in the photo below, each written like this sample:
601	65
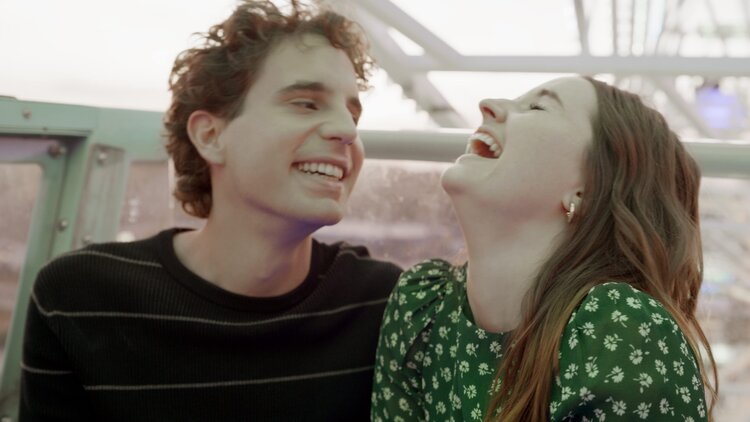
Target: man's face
293	152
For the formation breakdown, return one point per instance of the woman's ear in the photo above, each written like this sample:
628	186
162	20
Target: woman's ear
571	201
204	129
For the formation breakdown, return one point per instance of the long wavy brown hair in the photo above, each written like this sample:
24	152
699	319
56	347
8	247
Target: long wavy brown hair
638	224
217	75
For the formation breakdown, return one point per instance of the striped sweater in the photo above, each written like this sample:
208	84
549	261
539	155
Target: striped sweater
125	332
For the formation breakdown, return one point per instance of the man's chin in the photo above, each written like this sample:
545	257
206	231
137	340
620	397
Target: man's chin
322	218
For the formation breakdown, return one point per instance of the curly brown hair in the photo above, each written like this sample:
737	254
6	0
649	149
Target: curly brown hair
217	75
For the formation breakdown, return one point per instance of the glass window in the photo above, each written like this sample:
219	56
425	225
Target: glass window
149	205
724	307
400	212
19	184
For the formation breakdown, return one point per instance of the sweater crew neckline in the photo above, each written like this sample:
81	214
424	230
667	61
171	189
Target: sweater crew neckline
320	261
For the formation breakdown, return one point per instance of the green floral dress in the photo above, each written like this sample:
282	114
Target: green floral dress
622	357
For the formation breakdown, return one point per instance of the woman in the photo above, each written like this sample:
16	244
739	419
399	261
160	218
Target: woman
580	212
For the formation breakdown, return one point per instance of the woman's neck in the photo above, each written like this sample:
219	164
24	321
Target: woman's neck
504	260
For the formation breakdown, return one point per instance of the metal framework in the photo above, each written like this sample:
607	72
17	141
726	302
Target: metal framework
635	56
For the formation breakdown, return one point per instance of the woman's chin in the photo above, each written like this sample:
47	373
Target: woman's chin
454	180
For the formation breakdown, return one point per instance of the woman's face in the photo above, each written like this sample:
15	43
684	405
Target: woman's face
529	152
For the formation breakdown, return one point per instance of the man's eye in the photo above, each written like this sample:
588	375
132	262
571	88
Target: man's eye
536	106
306	104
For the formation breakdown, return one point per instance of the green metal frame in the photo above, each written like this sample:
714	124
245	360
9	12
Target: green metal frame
84	154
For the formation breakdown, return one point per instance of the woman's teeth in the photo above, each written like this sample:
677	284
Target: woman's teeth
484	145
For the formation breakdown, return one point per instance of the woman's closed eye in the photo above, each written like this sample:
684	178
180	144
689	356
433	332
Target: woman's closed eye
536	106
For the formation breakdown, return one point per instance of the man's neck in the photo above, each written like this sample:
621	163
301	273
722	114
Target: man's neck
252	259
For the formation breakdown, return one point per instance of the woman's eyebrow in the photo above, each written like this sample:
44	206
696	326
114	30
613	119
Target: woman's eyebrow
551	94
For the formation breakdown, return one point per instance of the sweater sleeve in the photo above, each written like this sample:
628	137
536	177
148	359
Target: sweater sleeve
404	335
50	389
624	358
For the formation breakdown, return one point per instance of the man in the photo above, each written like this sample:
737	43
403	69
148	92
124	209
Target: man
247	318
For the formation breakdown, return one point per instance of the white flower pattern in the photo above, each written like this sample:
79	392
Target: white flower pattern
622	357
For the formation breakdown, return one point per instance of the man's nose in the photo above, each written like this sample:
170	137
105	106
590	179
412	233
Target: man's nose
340	128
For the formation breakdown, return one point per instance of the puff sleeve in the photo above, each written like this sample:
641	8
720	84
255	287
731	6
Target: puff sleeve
624	358
404	334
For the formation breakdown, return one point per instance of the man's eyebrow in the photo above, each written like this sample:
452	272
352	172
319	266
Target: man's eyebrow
551	94
304	86
319	87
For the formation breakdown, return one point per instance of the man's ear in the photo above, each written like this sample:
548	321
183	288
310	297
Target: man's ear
204	129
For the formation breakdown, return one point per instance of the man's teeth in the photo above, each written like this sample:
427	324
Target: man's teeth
322	168
487	140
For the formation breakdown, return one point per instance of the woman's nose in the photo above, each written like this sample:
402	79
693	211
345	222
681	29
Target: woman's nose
494	109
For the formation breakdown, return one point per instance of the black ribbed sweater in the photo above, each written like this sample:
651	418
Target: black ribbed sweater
125	332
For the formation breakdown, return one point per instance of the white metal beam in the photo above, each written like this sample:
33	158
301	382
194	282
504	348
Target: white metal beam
443	57
393	16
646	27
583	27
387	53
631	39
432	101
717	159
644	65
415	84
717	26
615	30
377	16
670	22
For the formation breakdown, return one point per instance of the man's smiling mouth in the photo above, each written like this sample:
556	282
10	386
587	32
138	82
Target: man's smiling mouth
329	171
